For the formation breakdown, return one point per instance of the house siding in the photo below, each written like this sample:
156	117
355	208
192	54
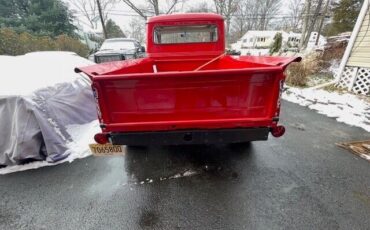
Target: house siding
359	56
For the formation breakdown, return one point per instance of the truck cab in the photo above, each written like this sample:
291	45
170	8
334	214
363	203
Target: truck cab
187	90
185	36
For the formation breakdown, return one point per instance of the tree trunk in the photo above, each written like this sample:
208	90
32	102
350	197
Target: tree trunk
322	21
156	7
101	19
312	25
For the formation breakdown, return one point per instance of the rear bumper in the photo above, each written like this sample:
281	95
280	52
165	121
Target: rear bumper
180	137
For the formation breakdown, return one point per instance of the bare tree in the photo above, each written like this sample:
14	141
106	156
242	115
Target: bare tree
245	18
311	23
281	24
226	8
267	9
153	7
201	7
322	21
307	8
89	9
255	15
295	9
136	29
102	19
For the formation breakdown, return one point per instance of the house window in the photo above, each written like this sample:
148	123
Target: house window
261	39
293	39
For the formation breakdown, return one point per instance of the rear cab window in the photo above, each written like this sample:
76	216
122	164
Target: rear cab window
185	34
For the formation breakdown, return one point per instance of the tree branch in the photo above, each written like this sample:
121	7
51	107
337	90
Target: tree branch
172	6
136	9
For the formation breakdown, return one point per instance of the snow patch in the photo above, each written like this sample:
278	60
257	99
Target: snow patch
334	67
367	157
24	74
190	173
82	136
345	108
187	173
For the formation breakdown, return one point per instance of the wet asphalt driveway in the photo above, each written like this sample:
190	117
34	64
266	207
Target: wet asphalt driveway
299	181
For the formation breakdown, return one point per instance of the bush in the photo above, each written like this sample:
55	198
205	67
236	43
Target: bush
298	73
276	45
9	44
333	51
66	43
13	43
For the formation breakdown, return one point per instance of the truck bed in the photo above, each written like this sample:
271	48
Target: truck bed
161	95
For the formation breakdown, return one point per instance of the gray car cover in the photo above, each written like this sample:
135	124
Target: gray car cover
40	95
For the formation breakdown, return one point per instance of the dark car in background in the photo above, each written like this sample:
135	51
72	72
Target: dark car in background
117	49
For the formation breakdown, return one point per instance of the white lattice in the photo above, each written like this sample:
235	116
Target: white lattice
362	82
347	79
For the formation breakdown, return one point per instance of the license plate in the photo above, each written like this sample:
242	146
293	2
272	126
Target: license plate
106	150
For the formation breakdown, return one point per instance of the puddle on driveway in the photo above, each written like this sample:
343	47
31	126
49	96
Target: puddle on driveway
156	164
151	165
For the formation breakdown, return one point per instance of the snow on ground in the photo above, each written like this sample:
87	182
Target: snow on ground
346	108
82	136
334	67
186	173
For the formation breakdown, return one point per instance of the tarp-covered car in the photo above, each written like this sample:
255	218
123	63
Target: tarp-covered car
40	96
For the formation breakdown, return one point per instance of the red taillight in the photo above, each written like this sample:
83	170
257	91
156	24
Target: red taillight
278	131
101	138
96	97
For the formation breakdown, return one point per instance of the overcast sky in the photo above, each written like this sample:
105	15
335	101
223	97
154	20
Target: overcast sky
122	14
123	21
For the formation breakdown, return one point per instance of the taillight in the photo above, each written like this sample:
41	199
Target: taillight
96	97
278	131
101	138
281	89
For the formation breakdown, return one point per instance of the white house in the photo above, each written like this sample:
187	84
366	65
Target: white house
312	41
89	36
354	69
293	39
256	42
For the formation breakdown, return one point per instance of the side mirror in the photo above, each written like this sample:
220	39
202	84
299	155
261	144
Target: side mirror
142	49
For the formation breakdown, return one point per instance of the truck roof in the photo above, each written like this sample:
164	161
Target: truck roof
185	17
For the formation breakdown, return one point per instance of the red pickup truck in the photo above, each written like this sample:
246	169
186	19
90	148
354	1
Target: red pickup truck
188	90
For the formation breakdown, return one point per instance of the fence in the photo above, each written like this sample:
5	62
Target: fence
356	80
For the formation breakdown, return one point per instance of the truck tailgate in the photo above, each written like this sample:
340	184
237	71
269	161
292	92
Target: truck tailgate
173	100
